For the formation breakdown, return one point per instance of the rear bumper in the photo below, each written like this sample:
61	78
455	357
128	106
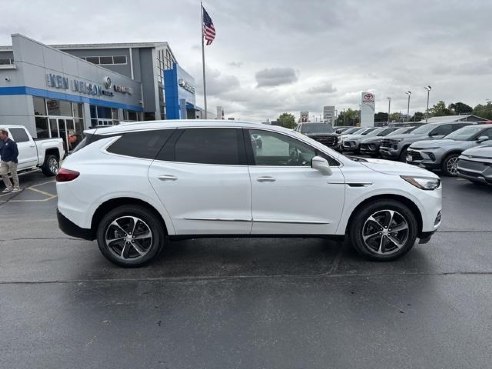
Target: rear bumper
71	229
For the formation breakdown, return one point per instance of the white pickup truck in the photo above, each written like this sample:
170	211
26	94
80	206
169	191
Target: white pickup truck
33	153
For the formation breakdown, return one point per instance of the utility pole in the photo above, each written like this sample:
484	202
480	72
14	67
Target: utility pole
389	108
409	93
427	88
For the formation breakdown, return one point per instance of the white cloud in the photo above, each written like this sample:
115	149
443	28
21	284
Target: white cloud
332	50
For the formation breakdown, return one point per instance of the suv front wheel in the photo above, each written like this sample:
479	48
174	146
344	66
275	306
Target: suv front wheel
384	230
130	236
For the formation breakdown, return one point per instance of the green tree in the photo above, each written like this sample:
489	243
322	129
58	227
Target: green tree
439	110
287	120
348	117
395	117
460	108
484	111
418	116
381	117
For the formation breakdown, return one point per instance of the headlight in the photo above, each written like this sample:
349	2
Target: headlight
424	183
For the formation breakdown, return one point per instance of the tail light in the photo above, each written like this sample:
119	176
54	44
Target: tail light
66	175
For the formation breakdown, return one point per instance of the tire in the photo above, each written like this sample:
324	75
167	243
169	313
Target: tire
136	236
373	241
449	165
403	155
50	166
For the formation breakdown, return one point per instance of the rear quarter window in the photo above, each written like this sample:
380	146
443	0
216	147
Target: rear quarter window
144	144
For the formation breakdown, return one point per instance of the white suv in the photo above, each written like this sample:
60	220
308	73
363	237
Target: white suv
134	186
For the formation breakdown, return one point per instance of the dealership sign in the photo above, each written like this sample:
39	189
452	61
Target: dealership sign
86	88
186	85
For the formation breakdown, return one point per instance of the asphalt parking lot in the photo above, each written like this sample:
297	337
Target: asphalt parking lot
245	303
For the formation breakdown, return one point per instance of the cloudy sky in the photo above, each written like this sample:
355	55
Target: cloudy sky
274	56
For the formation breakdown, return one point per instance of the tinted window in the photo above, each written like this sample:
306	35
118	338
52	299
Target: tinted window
19	134
144	145
209	146
442	130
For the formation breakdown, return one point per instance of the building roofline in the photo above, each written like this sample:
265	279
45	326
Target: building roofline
115	45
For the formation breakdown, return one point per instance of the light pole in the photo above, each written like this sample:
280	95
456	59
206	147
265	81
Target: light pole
389	108
409	93
427	88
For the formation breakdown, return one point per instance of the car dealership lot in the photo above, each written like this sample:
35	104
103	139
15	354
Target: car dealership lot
243	303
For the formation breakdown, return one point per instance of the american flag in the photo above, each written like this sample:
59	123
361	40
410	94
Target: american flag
208	27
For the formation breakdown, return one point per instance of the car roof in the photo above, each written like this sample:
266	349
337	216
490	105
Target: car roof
181	123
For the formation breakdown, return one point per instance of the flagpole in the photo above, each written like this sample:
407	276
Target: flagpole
203	65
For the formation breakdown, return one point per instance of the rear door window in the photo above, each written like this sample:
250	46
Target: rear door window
221	146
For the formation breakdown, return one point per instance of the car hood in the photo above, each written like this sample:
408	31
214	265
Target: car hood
319	134
396	167
480	151
436	143
400	137
371	139
353	137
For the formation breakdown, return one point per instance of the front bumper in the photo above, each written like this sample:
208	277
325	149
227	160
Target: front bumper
475	171
424	159
389	153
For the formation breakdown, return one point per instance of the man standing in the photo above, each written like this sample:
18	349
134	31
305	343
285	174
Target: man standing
8	162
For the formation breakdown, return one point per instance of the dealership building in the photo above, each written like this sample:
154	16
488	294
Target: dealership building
53	90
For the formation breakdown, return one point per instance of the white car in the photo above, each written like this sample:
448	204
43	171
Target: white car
135	186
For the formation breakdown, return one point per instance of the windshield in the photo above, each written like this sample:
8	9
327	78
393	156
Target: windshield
375	132
426	128
351	130
385	131
316	128
367	131
465	133
402	130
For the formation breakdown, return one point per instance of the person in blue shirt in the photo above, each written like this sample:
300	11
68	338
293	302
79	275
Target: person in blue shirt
8	162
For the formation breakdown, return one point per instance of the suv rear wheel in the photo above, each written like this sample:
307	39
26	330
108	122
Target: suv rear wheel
384	230
50	166
130	235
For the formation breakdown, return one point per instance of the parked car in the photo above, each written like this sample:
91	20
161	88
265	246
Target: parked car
34	153
352	143
132	187
340	129
321	132
443	154
370	145
475	164
396	147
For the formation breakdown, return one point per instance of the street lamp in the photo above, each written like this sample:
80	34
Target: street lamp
409	93
427	88
389	108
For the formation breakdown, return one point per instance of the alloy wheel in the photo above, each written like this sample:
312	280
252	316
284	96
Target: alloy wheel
385	232
452	166
53	165
128	238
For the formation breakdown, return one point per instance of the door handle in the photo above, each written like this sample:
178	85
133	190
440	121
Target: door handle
167	177
266	179
32	145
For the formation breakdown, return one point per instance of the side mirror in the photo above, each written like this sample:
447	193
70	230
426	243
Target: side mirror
482	139
321	164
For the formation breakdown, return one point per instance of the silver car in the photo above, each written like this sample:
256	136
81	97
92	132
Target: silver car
443	154
476	164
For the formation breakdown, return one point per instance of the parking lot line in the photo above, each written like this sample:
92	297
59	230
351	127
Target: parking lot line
49	196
